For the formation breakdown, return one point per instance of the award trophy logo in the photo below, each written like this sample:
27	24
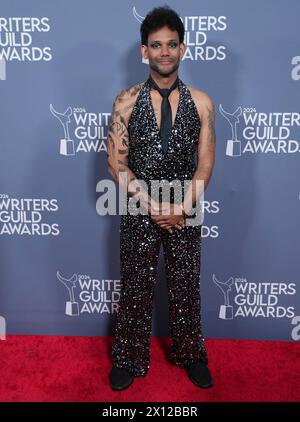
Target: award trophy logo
233	147
2	69
2	328
140	19
72	307
226	310
66	144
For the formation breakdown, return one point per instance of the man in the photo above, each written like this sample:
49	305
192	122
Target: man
157	128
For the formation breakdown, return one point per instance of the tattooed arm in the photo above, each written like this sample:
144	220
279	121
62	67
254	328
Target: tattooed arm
117	148
206	149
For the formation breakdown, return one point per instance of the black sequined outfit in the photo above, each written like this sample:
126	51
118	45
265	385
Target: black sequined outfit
140	241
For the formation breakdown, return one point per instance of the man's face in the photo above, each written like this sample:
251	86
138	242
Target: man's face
163	51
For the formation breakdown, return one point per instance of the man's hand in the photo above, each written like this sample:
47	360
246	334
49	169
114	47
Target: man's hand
168	216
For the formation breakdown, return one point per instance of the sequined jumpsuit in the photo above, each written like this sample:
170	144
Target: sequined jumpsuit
141	237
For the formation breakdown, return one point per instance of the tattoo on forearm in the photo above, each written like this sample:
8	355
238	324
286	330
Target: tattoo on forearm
120	130
117	128
111	143
211	126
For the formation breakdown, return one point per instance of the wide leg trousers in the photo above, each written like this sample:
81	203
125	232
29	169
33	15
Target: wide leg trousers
140	242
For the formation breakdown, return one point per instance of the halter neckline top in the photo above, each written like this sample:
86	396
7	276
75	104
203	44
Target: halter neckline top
145	155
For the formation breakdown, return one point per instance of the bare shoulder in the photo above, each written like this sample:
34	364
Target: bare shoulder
202	100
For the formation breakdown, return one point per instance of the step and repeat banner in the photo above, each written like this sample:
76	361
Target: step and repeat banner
62	64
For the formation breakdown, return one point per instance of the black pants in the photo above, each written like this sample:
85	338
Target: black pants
140	241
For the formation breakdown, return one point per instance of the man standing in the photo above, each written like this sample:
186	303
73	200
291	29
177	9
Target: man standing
157	129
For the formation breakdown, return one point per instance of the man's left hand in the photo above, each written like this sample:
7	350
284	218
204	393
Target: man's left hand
170	216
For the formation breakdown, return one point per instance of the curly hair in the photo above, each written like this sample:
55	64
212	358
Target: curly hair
158	18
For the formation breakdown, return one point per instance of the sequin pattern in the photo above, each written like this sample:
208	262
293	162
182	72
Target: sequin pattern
141	238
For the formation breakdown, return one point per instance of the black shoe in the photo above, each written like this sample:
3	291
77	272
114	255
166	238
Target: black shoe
199	374
120	378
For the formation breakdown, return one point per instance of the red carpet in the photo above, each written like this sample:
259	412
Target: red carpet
47	368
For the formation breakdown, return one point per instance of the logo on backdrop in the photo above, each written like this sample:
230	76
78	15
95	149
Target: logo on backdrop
195	37
243	299
86	295
262	133
226	310
89	130
212	231
17	36
72	307
2	328
26	216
